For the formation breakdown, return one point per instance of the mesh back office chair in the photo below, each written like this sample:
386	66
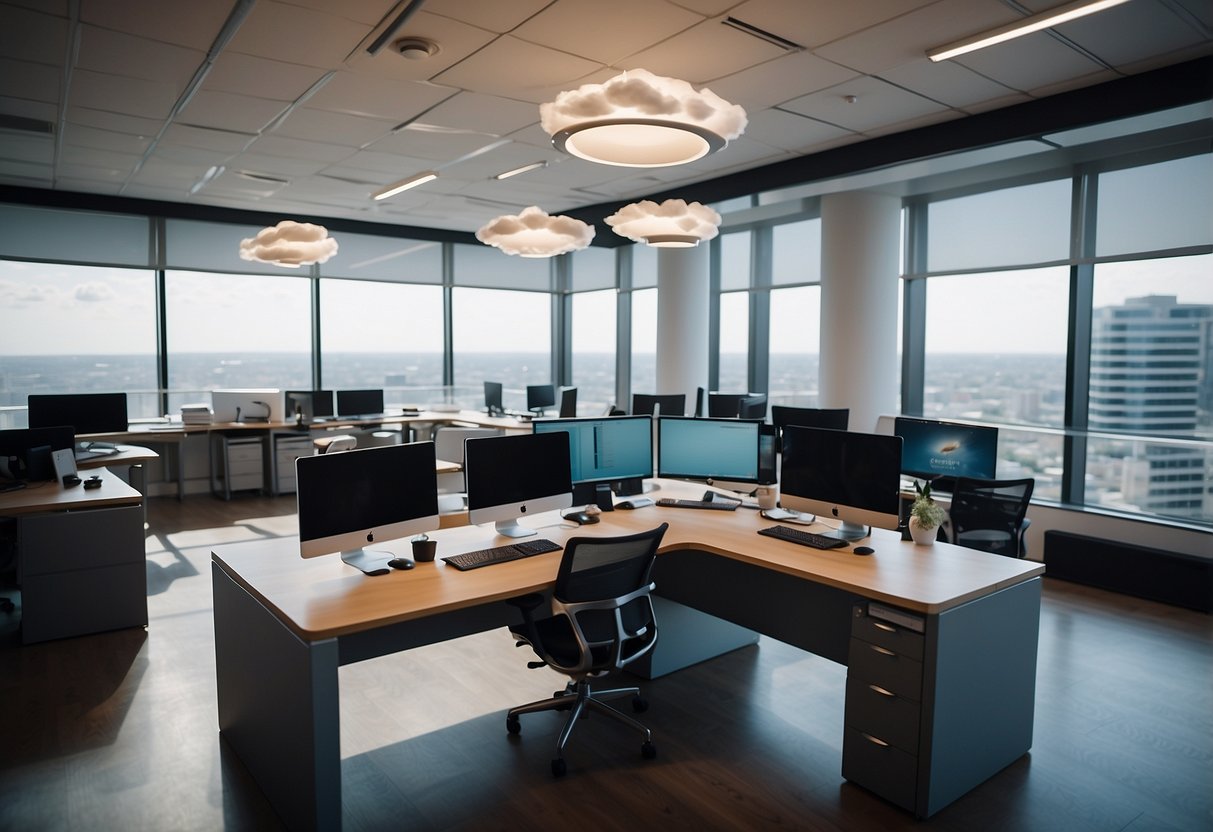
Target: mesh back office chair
990	515
725	405
753	407
669	404
568	402
601	620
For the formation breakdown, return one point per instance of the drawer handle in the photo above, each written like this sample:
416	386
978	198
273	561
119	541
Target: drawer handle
882	626
881	691
873	740
882	651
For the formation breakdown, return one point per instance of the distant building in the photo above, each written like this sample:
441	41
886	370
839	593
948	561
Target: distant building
1151	371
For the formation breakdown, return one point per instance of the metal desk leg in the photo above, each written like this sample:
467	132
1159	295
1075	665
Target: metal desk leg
278	707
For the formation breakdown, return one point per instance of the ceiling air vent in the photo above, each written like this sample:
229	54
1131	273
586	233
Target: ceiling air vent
762	34
26	125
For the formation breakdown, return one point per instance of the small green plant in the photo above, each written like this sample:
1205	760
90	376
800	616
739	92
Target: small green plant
928	512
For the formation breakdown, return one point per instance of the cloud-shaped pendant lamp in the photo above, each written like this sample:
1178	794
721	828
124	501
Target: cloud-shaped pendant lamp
674	223
289	243
533	233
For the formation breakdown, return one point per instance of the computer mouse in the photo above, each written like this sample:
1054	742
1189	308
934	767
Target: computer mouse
401	563
863	550
581	518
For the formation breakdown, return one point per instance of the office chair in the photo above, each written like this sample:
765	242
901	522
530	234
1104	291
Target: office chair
810	417
753	407
333	444
667	404
568	402
990	515
601	620
699	391
725	405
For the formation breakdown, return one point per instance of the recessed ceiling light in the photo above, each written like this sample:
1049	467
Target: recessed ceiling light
524	169
1032	23
405	184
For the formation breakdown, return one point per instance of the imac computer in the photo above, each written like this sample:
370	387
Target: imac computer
351	499
493	398
540	397
509	477
605	454
942	451
309	404
352	404
709	450
852	477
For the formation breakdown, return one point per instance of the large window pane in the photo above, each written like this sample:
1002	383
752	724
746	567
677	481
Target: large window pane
795	346
594	349
735	260
501	336
996	346
796	252
644	343
1156	207
385	335
734	342
1013	226
76	329
236	331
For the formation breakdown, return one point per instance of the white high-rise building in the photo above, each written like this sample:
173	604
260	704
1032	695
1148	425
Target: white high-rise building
1151	371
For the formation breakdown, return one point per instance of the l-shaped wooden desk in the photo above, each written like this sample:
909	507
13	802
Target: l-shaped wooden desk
939	642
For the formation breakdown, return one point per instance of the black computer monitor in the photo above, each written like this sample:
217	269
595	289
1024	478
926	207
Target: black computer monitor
834	418
847	476
310	404
86	412
708	450
615	453
664	404
349	499
493	398
568	402
512	476
25	454
540	396
724	405
351	403
753	407
942	451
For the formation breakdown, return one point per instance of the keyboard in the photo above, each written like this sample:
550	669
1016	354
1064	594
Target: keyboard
501	554
670	502
816	541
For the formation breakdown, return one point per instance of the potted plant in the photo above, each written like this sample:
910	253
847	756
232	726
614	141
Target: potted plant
925	515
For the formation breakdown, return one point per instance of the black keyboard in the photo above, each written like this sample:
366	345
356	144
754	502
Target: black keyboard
817	541
670	502
501	554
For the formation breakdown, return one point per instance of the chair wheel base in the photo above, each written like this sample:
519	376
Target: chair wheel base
513	725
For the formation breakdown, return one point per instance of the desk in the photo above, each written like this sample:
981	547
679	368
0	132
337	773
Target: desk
80	557
284	625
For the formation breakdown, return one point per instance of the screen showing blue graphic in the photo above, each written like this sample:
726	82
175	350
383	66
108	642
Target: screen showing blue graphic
708	449
607	449
932	449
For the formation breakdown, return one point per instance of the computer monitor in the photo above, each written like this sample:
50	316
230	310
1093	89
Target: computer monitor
615	453
349	499
540	396
310	404
85	412
509	477
723	405
708	450
834	418
942	451
753	407
665	404
493	398
568	402
353	403
25	454
848	476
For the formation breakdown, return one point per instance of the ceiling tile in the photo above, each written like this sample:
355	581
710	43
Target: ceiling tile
127	96
30	81
631	26
98	158
1126	34
222	140
502	159
709	50
28	148
487	114
812	23
113	121
790	131
516	69
27	35
40	110
29	174
947	82
369	12
90	137
115	53
289	33
276	165
275	145
1029	62
366	95
492	15
435	147
791	76
194	24
455	41
260	77
384	167
333	128
876	103
228	111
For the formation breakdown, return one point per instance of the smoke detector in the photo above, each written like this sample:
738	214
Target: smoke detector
415	49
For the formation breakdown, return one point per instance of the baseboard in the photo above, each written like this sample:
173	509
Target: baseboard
1155	574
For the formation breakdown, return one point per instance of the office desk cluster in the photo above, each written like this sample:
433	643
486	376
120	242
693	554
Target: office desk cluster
939	642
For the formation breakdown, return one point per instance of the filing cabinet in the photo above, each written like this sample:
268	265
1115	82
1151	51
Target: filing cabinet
288	448
237	464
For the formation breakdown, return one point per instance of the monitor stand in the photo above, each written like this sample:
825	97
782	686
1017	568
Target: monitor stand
848	531
510	528
370	561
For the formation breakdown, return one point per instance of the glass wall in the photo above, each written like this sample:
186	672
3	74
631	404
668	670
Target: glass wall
594	349
795	345
501	335
644	343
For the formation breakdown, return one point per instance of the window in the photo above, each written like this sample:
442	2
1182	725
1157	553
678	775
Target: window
387	335
594	349
644	343
795	344
76	329
504	336
236	331
733	376
1012	226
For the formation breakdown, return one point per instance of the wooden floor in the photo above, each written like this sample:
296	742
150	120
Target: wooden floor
118	731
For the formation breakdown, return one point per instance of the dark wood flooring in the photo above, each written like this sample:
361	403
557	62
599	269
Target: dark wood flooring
118	731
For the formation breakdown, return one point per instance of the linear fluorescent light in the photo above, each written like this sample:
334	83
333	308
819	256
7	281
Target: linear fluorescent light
405	184
524	169
1032	23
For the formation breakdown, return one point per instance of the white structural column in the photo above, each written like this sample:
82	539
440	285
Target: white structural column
860	240
682	321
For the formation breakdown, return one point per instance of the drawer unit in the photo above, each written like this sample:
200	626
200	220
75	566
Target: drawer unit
884	703
237	464
286	450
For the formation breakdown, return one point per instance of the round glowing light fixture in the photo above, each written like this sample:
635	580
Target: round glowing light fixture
674	223
290	244
533	233
641	120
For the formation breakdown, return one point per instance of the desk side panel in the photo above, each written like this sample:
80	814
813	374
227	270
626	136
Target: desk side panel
278	707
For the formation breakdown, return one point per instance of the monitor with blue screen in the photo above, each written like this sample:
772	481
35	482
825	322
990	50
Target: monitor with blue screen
616	452
708	450
942	451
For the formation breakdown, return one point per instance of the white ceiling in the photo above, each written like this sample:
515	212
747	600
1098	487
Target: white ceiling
142	98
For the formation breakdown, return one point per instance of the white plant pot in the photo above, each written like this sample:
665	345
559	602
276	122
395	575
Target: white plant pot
923	536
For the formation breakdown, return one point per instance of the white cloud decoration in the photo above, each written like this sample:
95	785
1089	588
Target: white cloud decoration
533	233
291	244
673	223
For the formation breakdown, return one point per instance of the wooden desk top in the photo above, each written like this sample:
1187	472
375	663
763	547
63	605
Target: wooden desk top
127	455
323	597
51	496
